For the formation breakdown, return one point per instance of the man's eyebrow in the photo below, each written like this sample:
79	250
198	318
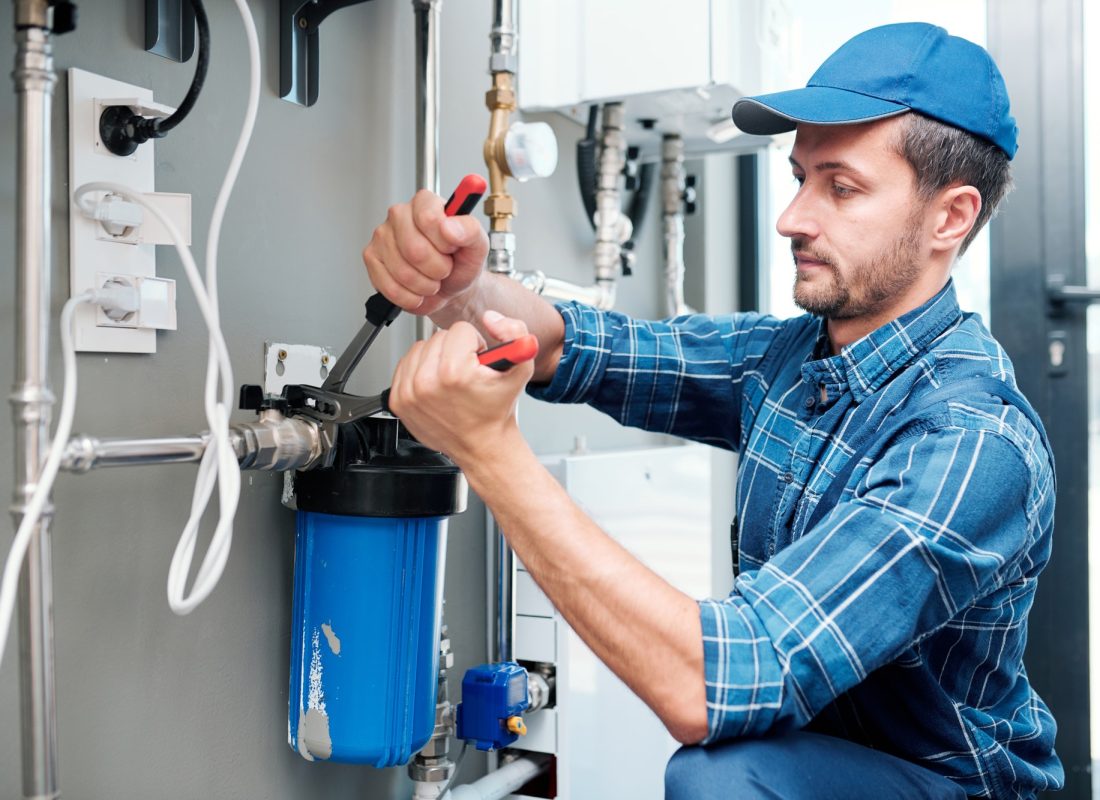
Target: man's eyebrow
824	166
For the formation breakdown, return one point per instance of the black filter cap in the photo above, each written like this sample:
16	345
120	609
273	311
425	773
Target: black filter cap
381	471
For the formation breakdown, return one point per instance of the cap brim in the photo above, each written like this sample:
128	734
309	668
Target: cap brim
780	112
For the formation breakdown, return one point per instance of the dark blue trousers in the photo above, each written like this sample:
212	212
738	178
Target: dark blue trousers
799	766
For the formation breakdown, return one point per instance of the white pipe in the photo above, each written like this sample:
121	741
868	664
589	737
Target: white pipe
673	186
612	226
674	266
600	295
499	784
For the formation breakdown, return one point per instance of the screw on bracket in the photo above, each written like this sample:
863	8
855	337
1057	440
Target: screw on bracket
299	46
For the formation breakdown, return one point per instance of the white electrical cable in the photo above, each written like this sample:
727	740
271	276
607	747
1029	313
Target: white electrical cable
219	462
218	552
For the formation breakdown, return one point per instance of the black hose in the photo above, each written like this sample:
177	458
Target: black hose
586	166
155	127
638	203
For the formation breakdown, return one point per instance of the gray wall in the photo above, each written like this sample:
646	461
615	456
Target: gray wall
152	705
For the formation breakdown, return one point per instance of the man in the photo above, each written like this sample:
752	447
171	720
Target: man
872	645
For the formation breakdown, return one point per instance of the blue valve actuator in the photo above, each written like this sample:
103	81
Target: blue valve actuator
493	698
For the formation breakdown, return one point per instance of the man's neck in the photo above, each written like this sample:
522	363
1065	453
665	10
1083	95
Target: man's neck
843	332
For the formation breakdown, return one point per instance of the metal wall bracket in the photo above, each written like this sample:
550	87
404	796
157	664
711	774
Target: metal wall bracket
170	29
299	46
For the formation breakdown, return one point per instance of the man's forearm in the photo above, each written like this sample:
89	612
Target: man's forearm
648	632
501	293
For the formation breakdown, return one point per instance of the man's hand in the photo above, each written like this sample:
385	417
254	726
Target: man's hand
450	401
420	259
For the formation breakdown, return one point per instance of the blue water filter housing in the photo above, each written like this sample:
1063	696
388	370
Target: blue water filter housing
368	595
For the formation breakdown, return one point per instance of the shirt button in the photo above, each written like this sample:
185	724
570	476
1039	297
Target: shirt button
788	478
809	402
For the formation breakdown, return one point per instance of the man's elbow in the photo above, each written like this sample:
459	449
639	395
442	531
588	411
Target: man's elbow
689	725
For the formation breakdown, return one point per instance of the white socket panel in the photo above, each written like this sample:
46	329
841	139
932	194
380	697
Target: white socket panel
92	252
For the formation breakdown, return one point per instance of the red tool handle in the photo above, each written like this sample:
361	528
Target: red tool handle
502	358
465	197
505	356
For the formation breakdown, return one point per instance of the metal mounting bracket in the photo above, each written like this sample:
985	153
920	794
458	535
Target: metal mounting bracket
170	29
299	46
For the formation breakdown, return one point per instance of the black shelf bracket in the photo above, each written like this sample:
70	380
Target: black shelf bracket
170	29
299	46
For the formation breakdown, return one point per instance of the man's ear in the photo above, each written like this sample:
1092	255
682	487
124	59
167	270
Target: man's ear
956	212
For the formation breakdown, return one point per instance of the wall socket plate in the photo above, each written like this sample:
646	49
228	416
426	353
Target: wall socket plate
90	251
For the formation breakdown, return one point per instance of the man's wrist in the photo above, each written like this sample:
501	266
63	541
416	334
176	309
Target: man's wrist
459	306
485	456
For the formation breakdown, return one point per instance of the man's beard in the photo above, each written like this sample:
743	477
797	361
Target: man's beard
871	284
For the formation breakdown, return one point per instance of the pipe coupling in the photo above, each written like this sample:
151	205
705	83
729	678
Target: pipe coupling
278	443
34	62
502	252
538	691
32	14
503	62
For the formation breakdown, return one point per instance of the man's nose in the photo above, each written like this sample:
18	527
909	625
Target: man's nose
798	219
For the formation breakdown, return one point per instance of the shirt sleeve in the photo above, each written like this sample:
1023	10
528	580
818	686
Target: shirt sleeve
941	518
680	376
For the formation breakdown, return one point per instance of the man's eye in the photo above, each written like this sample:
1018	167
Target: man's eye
843	191
799	179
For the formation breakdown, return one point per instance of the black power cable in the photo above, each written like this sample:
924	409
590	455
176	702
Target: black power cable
586	166
122	130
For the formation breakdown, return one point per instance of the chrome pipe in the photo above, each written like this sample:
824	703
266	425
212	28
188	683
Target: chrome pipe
427	93
504	598
673	186
85	453
504	37
273	443
427	110
600	295
31	398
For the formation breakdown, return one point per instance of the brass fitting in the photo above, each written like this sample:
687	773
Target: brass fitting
500	207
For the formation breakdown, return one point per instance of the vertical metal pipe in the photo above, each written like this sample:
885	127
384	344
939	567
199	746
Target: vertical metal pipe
503	36
612	226
427	109
503	600
673	186
427	93
501	100
31	399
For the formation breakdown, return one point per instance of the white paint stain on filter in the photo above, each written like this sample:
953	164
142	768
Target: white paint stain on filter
332	638
313	731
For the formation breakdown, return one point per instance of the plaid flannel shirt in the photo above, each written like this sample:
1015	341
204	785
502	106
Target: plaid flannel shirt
899	620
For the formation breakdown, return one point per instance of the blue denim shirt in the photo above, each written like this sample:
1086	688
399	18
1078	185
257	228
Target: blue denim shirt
899	620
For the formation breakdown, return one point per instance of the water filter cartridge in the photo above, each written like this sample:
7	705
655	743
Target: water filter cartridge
368	594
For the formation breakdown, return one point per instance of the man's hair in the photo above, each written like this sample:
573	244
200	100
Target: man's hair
943	155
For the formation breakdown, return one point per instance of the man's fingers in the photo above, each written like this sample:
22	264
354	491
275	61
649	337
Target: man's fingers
383	282
503	328
417	247
402	393
428	216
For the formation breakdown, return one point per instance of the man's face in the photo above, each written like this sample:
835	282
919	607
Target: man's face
856	222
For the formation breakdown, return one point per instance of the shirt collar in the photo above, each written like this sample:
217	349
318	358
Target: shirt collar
865	365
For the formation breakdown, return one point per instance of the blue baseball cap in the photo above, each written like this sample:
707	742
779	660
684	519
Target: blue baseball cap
910	66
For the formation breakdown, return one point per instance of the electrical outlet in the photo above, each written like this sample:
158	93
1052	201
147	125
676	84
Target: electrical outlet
98	248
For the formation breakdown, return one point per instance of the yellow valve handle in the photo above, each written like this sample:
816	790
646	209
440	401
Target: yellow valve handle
516	725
